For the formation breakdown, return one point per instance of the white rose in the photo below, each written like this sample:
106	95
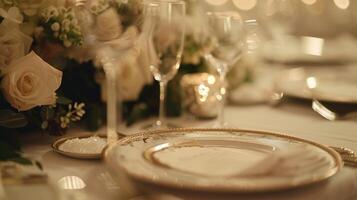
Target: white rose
29	82
12	17
129	81
126	55
108	25
30	7
14	44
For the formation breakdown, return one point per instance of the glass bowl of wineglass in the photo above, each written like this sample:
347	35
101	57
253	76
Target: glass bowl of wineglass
226	30
164	30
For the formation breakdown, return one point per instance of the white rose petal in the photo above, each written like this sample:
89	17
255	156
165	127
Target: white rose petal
14	44
12	18
129	81
29	82
30	7
108	25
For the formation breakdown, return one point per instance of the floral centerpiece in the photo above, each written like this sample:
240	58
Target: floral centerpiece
51	65
51	59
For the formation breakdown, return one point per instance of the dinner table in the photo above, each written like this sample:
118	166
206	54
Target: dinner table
69	178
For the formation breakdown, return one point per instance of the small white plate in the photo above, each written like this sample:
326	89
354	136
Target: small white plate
211	159
334	84
57	143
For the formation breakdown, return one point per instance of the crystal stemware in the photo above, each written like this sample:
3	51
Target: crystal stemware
164	29
227	35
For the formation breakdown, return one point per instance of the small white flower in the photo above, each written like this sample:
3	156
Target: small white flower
69	15
62	10
55	27
52	11
62	37
66	25
67	43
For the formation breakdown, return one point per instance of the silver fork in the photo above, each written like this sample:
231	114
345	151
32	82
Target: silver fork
327	113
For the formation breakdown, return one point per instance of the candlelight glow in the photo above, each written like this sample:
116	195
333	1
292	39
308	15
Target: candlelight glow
216	2
309	2
311	82
312	45
245	4
343	4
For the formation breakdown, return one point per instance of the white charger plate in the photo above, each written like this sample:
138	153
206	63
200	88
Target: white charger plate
310	50
334	84
211	159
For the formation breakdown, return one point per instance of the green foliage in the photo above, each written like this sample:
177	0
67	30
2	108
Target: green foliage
95	116
11	119
79	85
63	100
10	147
139	111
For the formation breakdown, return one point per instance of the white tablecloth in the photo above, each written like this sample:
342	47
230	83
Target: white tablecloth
295	119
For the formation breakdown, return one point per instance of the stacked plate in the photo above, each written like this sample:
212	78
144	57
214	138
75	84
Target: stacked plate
334	84
221	160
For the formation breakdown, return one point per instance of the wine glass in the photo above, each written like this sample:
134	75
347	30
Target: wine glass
164	29
227	37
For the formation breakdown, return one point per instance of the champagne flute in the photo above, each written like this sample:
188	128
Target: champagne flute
227	35
164	29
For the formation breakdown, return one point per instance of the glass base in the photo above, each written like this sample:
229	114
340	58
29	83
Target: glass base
218	124
157	125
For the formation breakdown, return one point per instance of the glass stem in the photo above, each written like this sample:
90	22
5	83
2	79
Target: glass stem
111	102
222	93
161	120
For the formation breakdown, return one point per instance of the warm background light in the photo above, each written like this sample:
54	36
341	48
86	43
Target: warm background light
216	2
343	4
309	2
245	4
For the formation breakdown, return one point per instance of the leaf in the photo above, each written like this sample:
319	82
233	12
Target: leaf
140	111
95	116
39	165
7	151
63	100
47	113
21	160
12	119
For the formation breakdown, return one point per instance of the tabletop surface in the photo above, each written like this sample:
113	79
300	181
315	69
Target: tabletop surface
86	179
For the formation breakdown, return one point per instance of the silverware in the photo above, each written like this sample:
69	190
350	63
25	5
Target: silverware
322	109
276	98
327	113
348	156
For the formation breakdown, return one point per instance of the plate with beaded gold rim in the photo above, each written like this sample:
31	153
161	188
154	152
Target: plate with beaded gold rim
210	159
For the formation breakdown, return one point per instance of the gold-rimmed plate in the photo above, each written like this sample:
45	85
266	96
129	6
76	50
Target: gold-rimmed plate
58	142
210	159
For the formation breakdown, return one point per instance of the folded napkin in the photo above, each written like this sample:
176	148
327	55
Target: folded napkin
2	191
284	163
13	172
